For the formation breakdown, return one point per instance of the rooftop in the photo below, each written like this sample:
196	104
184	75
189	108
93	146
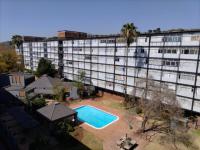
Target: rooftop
56	111
156	31
45	84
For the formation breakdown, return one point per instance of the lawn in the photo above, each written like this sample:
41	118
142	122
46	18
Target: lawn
88	139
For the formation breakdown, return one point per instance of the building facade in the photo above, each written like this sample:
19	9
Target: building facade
171	58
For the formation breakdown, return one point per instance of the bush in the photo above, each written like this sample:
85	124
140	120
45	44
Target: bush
138	110
38	102
45	66
59	92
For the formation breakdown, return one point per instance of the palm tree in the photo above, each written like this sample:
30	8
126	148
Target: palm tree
129	32
17	41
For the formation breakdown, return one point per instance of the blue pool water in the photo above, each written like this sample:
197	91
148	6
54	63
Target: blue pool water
95	117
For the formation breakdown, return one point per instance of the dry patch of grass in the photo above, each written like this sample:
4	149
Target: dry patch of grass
157	144
196	132
88	139
111	104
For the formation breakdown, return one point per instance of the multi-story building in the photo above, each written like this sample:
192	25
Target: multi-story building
170	57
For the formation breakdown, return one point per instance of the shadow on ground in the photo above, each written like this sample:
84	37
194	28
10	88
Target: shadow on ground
72	144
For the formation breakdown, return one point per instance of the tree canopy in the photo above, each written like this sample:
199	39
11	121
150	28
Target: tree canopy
9	60
129	32
45	66
17	40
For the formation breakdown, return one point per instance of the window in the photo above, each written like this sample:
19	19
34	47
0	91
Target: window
94	57
189	51
186	51
142	50
107	41
77	49
117	59
172	63
167	63
69	62
139	50
109	83
88	57
174	51
168	51
186	76
192	51
160	51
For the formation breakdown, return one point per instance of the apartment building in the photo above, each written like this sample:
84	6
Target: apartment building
170	57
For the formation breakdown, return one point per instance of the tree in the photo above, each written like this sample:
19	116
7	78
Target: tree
8	61
59	92
17	41
161	106
45	67
129	33
161	113
3	67
38	102
63	129
80	83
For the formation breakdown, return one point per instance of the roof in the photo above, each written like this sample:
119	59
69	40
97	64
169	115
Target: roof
56	111
142	34
8	98
32	38
45	82
13	88
69	31
45	85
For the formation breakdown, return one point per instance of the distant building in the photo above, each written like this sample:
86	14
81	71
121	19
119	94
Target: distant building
65	34
32	38
18	82
168	57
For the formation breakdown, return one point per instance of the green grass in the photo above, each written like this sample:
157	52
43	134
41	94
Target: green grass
88	139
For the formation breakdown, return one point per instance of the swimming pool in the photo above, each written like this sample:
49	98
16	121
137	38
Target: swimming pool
95	117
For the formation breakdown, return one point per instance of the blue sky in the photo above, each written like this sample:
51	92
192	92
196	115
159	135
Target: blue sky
46	17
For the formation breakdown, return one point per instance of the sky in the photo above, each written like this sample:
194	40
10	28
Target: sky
46	17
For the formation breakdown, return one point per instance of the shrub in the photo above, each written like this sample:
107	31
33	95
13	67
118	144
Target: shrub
138	110
38	102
